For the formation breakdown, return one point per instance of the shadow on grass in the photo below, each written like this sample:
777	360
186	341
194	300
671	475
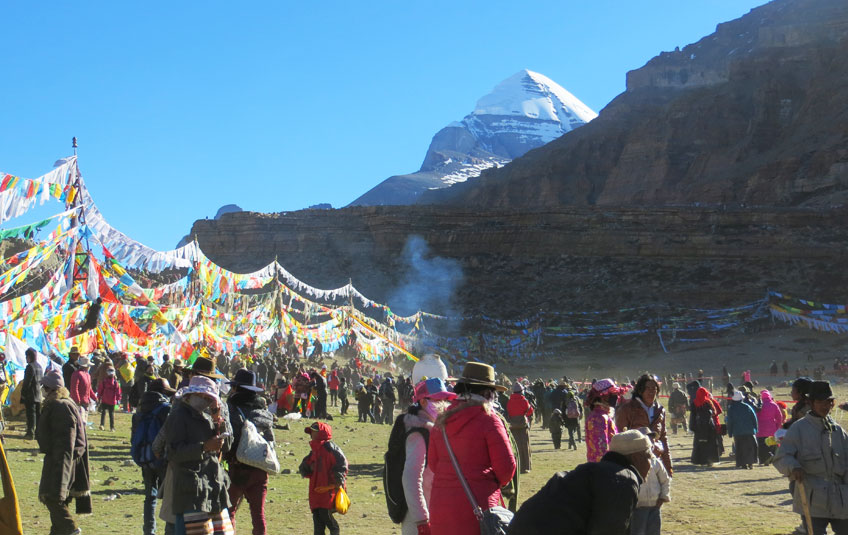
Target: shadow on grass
702	468
114	490
373	470
770	493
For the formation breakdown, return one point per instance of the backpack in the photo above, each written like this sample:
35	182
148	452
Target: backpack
572	410
141	443
393	462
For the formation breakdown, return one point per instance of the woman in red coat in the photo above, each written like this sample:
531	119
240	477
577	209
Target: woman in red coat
482	448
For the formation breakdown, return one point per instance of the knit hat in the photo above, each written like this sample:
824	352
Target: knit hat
630	441
52	380
517	388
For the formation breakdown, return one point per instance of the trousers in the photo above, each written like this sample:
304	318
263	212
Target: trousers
61	521
250	483
323	519
522	440
33	409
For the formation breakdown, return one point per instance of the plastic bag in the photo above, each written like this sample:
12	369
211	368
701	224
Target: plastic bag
342	501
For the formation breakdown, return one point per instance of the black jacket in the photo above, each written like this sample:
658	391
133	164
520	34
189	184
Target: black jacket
31	383
252	406
593	499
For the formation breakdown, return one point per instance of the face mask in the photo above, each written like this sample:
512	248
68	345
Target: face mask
431	409
200	403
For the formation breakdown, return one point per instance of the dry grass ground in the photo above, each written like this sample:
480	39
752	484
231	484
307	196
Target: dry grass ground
719	501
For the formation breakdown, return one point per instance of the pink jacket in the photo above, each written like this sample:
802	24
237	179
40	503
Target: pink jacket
109	391
770	417
600	429
81	391
482	447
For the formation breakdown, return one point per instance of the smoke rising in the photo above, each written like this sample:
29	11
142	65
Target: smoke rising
428	283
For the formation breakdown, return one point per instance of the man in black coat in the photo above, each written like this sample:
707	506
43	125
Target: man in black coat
594	498
31	392
156	401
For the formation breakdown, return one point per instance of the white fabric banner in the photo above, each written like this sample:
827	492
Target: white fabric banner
16	352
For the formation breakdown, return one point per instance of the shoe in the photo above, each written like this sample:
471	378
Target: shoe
28	436
100	428
801	530
112	430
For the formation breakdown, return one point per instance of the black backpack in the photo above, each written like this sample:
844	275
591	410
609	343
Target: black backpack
394	459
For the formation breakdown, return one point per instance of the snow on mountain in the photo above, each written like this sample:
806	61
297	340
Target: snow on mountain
525	111
534	95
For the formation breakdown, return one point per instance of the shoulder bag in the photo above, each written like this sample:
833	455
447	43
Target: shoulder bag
493	521
253	450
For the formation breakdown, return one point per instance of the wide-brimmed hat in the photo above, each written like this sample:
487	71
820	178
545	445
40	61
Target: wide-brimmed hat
200	384
83	362
205	367
820	391
245	379
162	386
74	351
738	395
434	389
477	373
178	363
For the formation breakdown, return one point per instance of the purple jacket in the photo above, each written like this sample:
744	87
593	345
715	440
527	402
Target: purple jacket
770	417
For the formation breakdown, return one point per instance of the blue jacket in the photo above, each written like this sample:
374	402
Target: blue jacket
741	419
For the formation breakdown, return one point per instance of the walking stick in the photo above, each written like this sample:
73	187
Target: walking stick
805	505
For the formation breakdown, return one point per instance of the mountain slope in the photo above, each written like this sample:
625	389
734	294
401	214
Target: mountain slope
525	111
755	113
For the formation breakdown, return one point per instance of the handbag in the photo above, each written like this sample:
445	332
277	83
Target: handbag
342	501
493	521
253	450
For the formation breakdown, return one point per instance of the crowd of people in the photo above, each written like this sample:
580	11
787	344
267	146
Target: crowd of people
465	440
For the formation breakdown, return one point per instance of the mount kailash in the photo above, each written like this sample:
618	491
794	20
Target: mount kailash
525	111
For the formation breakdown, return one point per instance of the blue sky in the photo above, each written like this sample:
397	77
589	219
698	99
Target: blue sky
182	107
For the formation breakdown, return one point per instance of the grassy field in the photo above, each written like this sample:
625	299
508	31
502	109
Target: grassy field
717	501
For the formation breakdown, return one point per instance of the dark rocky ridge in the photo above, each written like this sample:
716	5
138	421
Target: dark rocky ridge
605	216
564	259
755	113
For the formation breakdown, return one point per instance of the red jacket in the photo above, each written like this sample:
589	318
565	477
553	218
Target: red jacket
109	391
81	391
326	467
518	406
482	448
333	381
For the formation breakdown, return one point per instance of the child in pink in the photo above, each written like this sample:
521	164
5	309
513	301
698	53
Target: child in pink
109	395
600	424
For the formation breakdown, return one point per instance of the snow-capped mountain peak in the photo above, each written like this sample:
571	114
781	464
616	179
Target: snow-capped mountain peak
525	111
534	95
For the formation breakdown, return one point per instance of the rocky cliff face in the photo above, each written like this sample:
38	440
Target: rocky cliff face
576	259
755	113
